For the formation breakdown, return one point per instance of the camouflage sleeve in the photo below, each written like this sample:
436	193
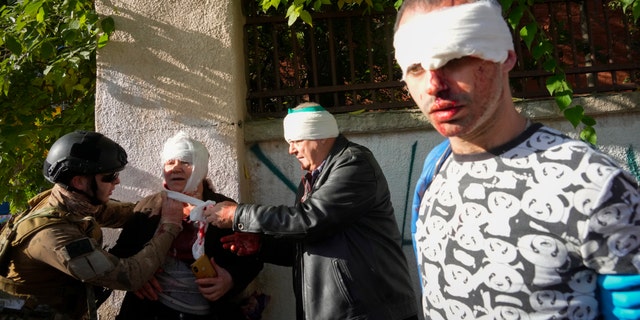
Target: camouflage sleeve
68	250
114	214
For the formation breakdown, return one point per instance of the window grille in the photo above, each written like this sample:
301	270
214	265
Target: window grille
345	61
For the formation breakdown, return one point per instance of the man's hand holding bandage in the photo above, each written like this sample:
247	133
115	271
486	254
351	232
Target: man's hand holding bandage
221	215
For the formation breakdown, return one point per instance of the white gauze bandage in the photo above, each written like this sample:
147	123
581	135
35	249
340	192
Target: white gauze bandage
432	39
309	123
182	147
196	216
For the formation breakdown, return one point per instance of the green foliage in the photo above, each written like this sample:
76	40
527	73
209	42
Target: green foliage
633	5
300	9
517	11
47	81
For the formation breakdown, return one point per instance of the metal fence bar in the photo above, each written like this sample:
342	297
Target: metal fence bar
346	59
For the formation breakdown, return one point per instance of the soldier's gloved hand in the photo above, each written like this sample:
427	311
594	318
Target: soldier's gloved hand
171	210
619	296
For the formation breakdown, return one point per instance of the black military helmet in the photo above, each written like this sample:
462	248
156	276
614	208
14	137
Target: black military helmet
82	153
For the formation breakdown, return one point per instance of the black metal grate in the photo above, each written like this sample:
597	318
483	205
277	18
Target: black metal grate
345	60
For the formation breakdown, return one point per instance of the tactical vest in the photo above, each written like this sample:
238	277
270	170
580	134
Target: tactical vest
21	228
15	231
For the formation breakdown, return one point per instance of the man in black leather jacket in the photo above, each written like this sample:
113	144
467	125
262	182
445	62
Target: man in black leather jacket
344	239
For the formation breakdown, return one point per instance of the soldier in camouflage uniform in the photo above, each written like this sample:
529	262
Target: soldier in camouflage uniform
54	255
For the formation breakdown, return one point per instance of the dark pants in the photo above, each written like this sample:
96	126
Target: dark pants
134	308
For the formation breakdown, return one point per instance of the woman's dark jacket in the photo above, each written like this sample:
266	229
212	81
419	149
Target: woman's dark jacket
347	259
242	269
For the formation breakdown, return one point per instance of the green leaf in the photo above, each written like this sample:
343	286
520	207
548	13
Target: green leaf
295	11
557	84
528	33
69	35
635	8
306	17
506	3
588	121
40	15
13	45
293	16
103	40
537	52
267	4
317	5
514	17
74	24
32	8
78	87
4	86
544	48
550	65
397	4
47	50
588	134
108	25
574	115
563	99
554	83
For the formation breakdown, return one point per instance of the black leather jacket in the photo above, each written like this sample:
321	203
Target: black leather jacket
346	255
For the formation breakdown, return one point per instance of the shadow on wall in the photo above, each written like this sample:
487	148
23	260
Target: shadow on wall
159	66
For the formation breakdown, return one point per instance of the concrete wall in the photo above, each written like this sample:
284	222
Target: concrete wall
170	66
180	66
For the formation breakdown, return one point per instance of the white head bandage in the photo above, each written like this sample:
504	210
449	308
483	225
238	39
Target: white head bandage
182	147
309	123
432	39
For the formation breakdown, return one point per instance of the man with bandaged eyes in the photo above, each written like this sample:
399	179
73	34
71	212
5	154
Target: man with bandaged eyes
52	255
511	219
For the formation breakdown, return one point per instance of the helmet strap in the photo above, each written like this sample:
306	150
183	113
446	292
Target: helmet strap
93	199
94	189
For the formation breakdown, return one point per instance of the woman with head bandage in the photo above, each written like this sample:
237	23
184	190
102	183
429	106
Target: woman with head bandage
191	152
174	292
488	205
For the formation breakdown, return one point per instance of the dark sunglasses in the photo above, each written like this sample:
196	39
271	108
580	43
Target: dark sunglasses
111	177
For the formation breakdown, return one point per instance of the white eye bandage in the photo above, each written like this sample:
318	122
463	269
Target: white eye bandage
432	39
309	123
182	147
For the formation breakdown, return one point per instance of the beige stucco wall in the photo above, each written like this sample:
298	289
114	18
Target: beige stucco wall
180	66
172	65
